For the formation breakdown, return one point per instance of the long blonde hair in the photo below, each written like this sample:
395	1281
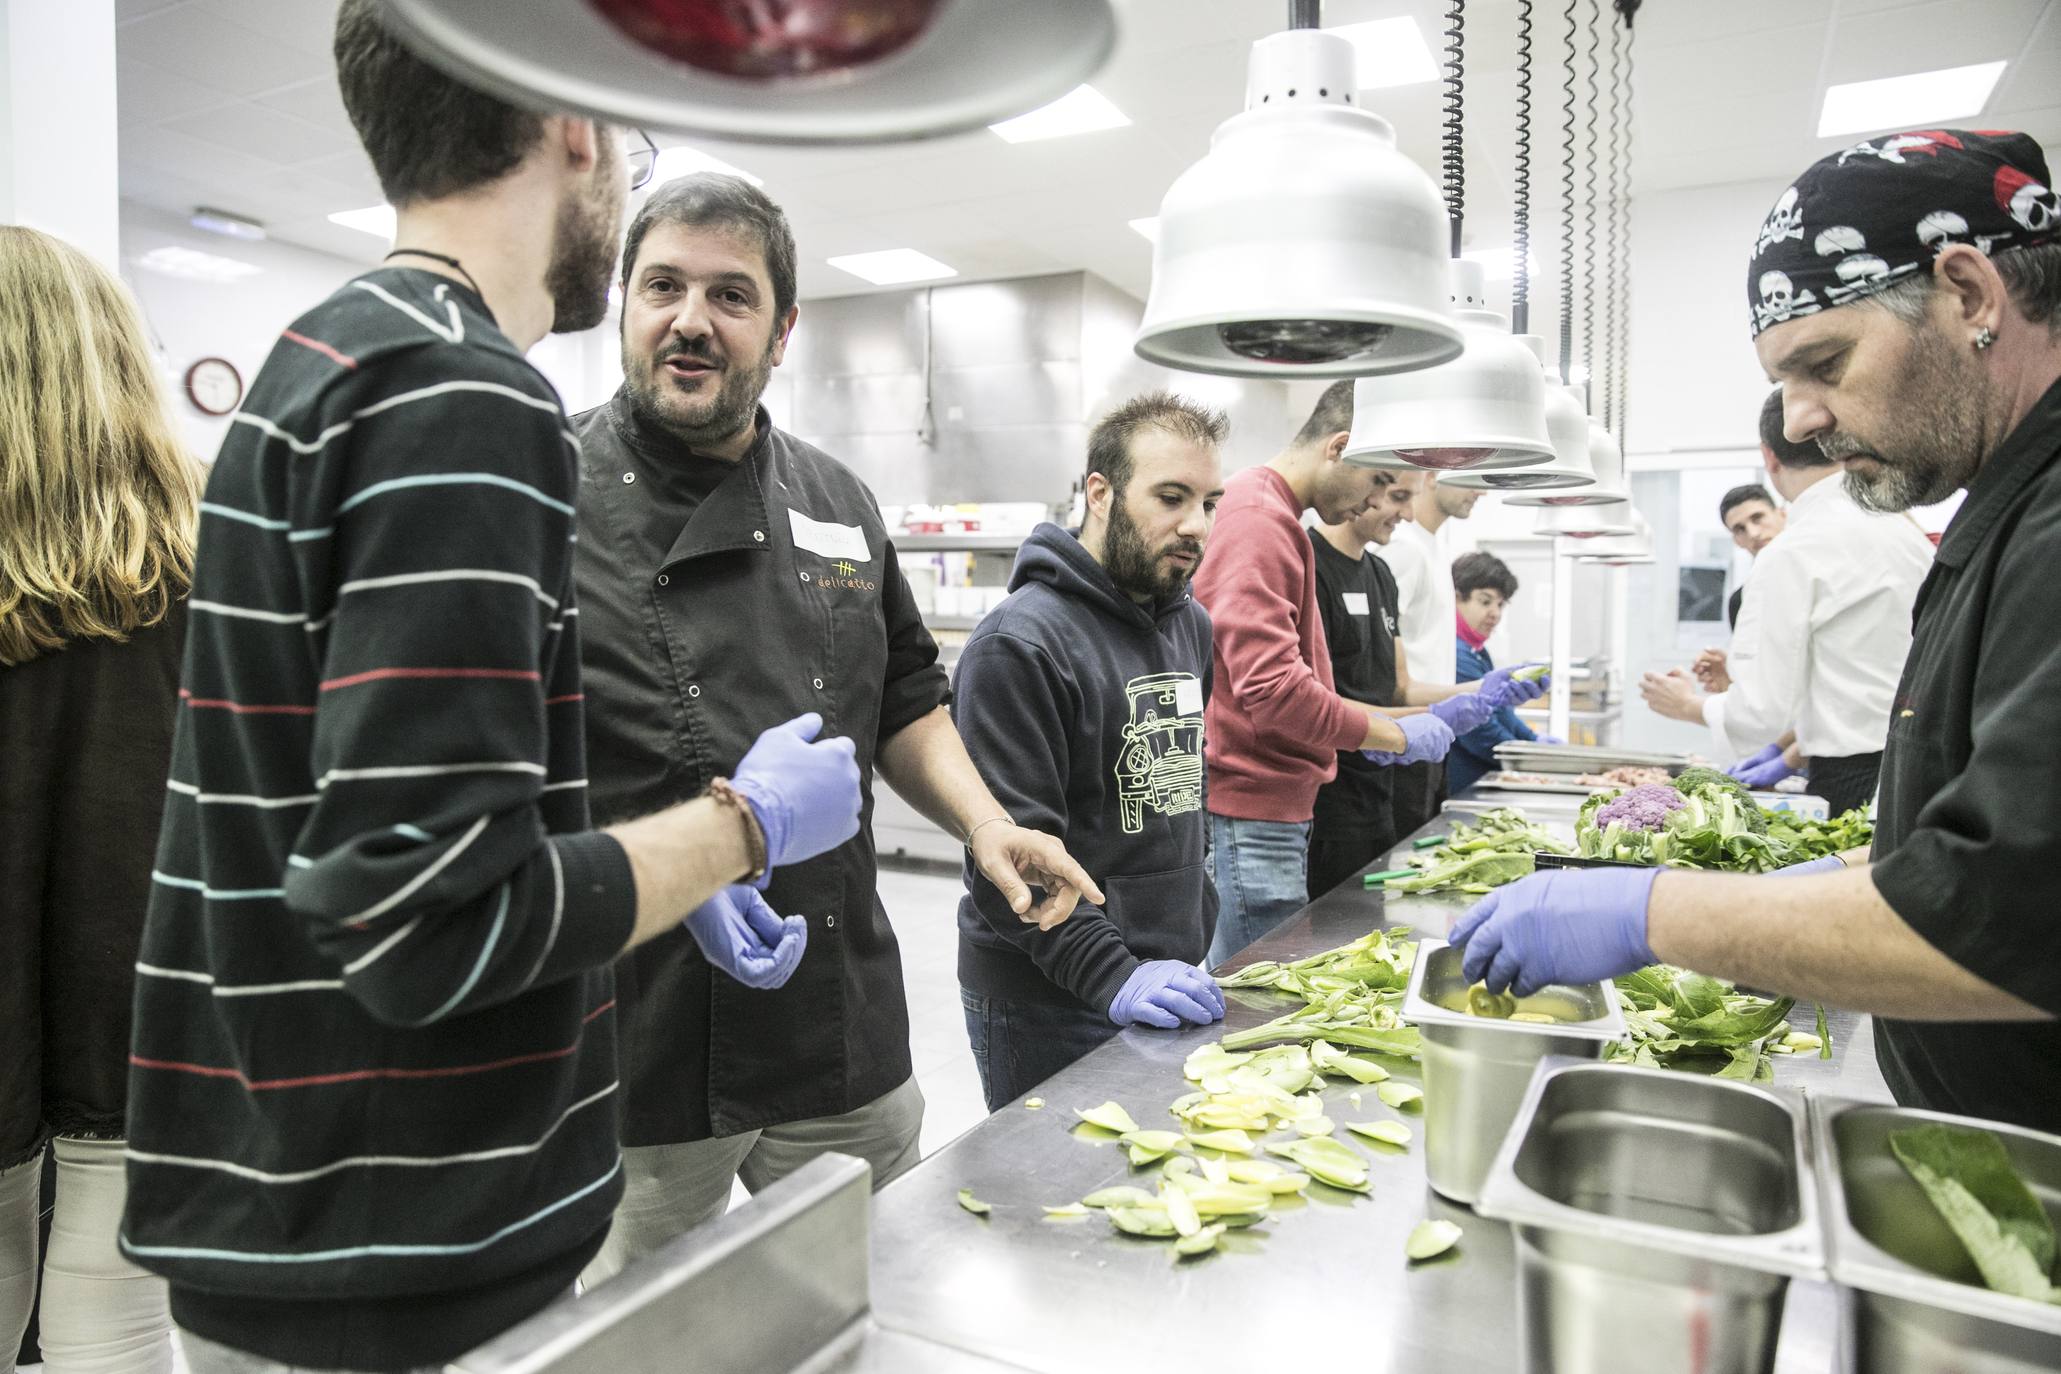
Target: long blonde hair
98	499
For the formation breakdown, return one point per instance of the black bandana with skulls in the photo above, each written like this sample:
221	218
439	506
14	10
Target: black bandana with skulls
1866	218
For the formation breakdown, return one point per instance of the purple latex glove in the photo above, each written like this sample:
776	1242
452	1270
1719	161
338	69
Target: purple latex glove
806	795
1830	863
1766	774
1567	926
1166	992
1425	740
1754	760
1504	689
746	939
1465	711
1547	739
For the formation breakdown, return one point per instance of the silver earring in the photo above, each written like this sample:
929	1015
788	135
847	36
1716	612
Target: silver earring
1983	339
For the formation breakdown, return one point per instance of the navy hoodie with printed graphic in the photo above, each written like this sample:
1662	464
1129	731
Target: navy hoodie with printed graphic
1083	711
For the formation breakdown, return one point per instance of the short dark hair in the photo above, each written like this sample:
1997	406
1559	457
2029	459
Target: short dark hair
429	135
1739	496
704	199
1475	571
1109	443
2031	275
1788	454
1334	412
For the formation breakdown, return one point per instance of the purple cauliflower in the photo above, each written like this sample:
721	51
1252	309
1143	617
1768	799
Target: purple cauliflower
1642	808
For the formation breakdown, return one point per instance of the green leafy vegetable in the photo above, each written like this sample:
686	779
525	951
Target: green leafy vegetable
1969	1178
1680	1020
1429	1239
1201	1243
1498	848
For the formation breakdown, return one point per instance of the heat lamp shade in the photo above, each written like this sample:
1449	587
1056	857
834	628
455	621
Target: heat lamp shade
1568	474
978	62
1586	522
1304	244
1606	461
1621	550
1484	409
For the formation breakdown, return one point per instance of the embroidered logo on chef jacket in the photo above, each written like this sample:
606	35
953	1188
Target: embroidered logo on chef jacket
1159	765
844	545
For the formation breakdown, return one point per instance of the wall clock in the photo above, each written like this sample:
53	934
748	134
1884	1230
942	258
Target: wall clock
214	386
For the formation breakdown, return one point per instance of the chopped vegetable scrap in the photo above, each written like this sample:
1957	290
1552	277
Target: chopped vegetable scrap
1430	1239
972	1203
1109	1116
1498	848
1968	1177
1682	1020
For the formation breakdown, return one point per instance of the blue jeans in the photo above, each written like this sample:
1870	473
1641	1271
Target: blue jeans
1261	870
1018	1045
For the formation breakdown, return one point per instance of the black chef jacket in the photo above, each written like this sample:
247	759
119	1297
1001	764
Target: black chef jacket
1354	820
780	594
1968	828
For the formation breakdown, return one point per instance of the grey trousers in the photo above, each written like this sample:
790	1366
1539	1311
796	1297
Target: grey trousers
671	1189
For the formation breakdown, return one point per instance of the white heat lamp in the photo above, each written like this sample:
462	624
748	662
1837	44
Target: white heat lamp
1586	522
1484	410
1606	462
1567	425
802	71
1621	550
1304	245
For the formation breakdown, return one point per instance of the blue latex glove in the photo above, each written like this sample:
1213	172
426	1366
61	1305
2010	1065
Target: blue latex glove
1166	992
743	937
1567	926
1752	761
1766	774
1425	740
805	795
1465	711
1503	689
1830	863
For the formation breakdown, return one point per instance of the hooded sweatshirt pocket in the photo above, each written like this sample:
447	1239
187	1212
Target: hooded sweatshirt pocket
1168	915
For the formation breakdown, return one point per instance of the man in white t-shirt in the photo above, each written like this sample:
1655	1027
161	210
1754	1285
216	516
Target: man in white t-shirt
1424	582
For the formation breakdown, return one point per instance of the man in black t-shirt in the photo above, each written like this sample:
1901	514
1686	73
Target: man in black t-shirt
1354	821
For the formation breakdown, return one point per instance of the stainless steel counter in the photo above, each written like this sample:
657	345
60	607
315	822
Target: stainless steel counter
1323	1281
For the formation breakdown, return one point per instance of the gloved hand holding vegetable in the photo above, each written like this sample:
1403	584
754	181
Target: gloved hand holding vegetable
1765	773
1513	686
745	938
1165	993
805	795
1754	760
1426	739
1465	710
1566	926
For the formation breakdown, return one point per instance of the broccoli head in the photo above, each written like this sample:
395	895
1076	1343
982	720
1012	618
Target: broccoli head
1712	783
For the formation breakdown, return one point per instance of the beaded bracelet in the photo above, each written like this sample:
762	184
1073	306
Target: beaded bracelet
720	791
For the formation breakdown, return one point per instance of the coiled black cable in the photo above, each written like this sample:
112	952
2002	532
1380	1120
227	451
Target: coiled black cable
1628	9
1567	268
1588	248
1607	362
1453	157
1520	278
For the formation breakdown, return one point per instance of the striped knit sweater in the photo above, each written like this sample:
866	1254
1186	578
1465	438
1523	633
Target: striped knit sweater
372	1094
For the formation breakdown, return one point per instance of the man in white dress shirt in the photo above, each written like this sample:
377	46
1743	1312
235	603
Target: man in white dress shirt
1823	633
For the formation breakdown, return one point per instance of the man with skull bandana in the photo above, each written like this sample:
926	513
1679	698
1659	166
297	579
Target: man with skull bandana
1933	366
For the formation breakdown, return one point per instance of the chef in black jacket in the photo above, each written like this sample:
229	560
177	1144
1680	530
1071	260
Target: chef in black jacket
732	577
1355	821
1904	293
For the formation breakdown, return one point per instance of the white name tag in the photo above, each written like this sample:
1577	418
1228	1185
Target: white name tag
1188	698
1356	603
831	541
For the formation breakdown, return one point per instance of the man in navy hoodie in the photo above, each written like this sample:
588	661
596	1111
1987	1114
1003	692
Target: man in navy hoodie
1080	699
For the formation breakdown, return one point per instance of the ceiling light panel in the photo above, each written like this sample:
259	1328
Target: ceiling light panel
376	220
1389	52
1908	102
680	162
1147	228
893	266
193	265
1081	110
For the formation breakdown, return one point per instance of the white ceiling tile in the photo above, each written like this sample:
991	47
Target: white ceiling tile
128	10
194	159
210	50
1662	25
351	170
1923	38
306	24
261	132
317	102
145	94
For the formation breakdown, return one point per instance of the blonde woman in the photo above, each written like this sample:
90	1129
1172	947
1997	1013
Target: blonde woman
98	507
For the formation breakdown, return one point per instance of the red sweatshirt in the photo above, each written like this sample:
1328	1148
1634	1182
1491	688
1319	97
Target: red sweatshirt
1275	725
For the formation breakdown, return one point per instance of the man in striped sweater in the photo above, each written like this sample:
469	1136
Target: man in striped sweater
373	1083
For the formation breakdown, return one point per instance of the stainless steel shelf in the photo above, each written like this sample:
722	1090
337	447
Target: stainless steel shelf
951	622
957	543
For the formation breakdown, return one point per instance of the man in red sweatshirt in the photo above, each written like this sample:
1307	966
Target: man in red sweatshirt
1275	723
